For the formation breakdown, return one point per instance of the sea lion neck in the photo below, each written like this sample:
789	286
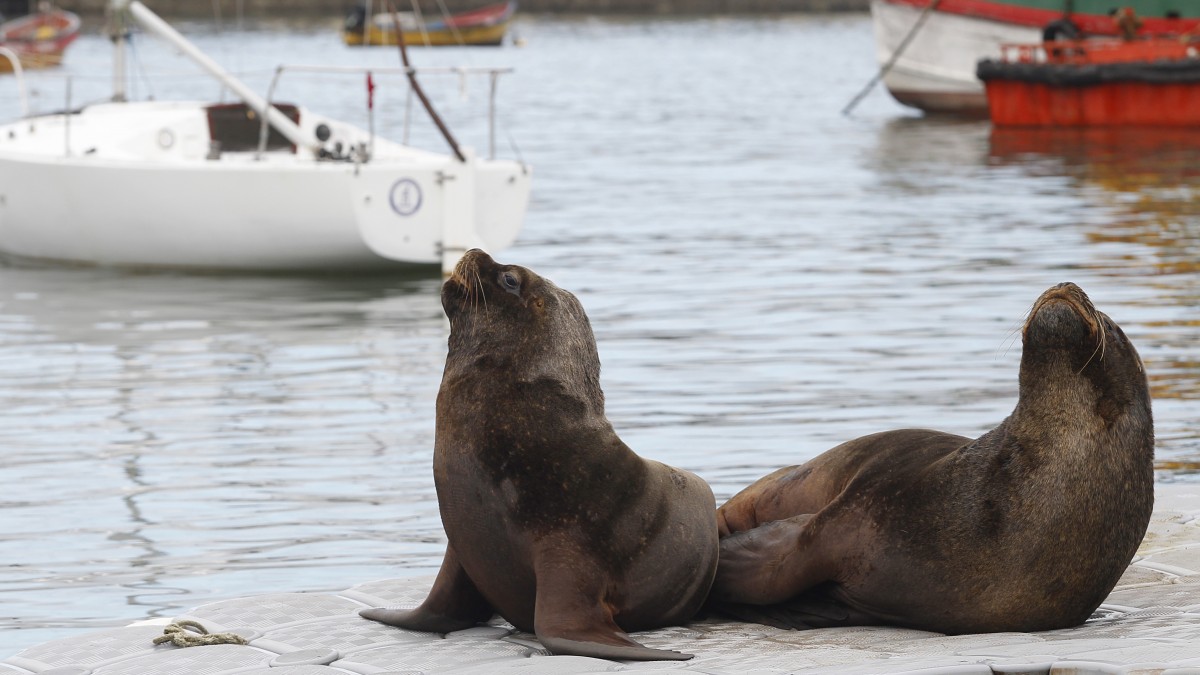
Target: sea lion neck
1081	380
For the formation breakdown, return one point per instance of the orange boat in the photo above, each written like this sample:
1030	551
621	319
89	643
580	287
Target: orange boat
38	40
1095	82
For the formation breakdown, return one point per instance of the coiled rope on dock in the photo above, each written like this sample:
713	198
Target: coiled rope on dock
177	633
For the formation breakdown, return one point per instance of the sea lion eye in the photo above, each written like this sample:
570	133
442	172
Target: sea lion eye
510	282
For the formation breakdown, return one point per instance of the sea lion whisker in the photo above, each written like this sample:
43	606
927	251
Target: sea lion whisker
1033	310
482	294
1011	339
1102	337
1098	350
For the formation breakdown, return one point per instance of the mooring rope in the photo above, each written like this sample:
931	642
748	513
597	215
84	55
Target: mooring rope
887	67
177	633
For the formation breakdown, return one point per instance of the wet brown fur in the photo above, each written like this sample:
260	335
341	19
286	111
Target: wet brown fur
1027	527
552	521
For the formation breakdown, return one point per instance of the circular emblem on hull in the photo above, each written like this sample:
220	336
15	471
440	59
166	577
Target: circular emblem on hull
405	197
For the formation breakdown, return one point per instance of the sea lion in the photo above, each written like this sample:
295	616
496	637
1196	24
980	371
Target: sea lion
1026	528
552	522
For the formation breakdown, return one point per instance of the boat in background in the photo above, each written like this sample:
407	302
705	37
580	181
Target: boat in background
939	42
253	186
1095	82
485	26
38	39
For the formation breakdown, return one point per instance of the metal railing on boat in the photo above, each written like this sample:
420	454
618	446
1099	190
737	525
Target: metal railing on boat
19	76
462	72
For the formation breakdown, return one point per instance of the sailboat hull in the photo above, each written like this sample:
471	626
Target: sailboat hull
77	190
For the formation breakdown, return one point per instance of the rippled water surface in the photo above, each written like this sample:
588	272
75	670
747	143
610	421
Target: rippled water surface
766	278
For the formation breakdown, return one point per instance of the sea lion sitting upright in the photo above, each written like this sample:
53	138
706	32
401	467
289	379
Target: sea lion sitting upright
552	521
1026	528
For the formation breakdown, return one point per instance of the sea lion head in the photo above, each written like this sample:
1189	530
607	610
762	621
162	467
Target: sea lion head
1075	354
507	319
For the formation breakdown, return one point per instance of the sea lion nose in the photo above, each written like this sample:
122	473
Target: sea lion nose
1067	291
1066	288
474	258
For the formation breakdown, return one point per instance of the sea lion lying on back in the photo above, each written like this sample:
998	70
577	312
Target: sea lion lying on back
552	521
1026	528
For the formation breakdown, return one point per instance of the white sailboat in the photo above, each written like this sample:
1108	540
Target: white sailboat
193	185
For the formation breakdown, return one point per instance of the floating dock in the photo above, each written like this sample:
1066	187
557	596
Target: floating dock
1149	624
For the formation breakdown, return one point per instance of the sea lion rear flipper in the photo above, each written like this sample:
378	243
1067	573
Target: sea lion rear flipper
453	603
573	617
815	610
565	646
769	564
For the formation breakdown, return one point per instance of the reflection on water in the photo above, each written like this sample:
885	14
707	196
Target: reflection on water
1149	180
169	435
766	278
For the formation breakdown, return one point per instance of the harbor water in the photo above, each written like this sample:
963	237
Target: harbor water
766	278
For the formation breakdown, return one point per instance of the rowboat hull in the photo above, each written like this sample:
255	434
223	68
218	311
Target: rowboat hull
486	26
479	36
32	61
935	72
39	39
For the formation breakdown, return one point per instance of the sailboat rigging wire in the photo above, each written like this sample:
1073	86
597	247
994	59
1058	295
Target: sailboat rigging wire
416	86
368	21
408	102
67	122
416	5
138	66
512	143
220	30
450	23
19	75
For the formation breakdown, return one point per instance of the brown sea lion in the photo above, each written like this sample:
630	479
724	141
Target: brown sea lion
1026	528
552	521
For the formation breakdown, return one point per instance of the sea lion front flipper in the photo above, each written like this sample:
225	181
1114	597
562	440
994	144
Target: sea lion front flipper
453	603
573	617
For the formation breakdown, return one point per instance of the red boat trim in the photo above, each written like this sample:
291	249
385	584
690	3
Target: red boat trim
484	16
1092	24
